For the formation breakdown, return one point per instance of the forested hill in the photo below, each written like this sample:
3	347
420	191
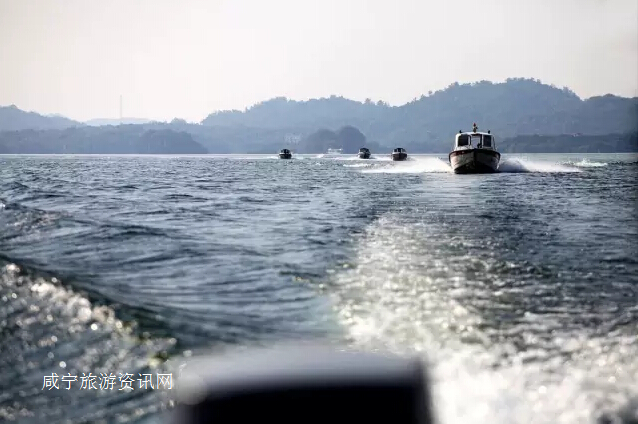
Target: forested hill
517	106
123	139
571	143
14	119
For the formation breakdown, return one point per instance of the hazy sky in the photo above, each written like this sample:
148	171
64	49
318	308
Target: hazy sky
187	58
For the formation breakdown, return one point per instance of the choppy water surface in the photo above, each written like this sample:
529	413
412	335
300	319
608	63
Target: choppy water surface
520	287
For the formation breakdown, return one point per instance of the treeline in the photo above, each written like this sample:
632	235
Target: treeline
425	125
136	139
518	106
14	119
610	143
124	139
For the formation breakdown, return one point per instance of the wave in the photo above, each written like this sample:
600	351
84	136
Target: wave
356	165
50	328
413	165
430	164
393	296
370	159
523	165
585	163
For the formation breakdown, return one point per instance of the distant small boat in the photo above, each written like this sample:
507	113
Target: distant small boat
364	153
474	153
285	154
399	154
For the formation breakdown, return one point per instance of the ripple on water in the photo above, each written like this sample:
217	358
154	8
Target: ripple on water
520	286
48	329
497	331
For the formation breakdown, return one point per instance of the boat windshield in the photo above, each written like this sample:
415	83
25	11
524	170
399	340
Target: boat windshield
487	141
463	140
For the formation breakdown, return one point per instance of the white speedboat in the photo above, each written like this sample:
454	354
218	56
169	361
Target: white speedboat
474	153
399	154
285	154
364	153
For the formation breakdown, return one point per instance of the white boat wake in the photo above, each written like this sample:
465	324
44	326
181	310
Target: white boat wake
413	165
585	163
521	165
395	297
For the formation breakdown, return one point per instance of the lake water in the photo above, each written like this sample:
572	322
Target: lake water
520	288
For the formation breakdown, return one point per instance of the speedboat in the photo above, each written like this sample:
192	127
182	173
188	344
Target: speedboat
474	152
399	154
285	154
364	153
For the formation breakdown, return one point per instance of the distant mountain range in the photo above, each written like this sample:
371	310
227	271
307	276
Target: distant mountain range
124	121
575	143
14	119
517	107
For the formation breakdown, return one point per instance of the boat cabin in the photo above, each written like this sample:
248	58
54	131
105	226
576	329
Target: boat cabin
474	140
285	154
399	150
364	150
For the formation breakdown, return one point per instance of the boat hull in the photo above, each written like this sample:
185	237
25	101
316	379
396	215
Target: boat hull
364	155
399	156
285	156
474	161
